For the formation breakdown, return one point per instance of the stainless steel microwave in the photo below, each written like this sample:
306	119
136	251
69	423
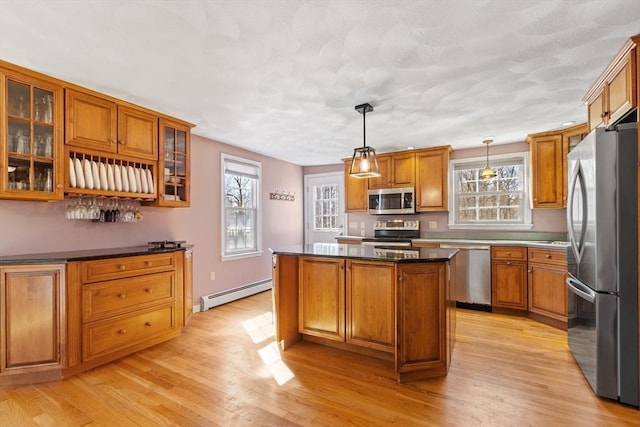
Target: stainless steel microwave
388	201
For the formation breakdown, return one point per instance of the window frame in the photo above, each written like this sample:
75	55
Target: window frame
253	252
472	163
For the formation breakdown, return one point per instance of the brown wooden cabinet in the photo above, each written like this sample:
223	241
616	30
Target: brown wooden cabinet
396	171
31	134
322	297
432	175
615	92
509	277
547	289
32	323
355	191
95	122
370	305
422	320
174	175
121	305
548	152
187	283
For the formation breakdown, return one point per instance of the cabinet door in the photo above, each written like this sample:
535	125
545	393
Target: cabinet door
187	277
547	168
509	284
174	183
385	179
32	319
547	291
371	305
137	133
620	90
403	169
31	138
596	111
321	297
90	121
422	321
355	191
431	171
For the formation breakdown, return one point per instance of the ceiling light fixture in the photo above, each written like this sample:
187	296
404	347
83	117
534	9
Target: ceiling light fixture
487	172
364	163
568	123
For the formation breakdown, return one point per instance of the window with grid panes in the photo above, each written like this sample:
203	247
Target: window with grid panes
325	207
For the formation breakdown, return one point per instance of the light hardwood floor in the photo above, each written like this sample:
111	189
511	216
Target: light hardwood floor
506	371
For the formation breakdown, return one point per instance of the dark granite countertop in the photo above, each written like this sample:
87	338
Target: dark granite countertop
85	255
369	253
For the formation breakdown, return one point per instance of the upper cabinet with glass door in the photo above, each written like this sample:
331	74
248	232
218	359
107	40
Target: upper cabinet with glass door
31	137
174	184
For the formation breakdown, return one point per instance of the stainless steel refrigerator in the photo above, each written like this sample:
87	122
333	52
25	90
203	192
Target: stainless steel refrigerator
602	285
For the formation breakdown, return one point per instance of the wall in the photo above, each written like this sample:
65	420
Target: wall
36	227
544	220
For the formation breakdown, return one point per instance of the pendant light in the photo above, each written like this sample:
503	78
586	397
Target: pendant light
364	163
487	172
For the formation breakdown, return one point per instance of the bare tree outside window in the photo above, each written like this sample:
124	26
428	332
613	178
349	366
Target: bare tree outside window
325	207
500	200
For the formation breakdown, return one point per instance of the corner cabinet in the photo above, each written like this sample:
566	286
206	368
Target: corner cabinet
174	185
355	191
615	93
432	175
31	137
548	152
32	323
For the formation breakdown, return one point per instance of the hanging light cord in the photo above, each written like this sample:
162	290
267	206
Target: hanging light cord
364	127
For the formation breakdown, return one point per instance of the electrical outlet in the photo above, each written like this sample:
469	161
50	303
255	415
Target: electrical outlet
212	275
433	224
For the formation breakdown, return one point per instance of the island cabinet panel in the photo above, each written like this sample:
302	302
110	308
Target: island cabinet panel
322	297
422	320
285	300
32	334
371	319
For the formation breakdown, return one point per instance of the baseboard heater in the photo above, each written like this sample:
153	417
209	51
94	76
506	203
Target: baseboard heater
219	298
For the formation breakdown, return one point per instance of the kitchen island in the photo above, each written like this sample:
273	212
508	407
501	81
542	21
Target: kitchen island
391	303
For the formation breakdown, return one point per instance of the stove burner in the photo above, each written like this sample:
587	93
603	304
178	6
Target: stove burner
166	244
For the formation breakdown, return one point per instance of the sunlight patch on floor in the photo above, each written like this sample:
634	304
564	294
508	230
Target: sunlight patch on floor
270	356
260	328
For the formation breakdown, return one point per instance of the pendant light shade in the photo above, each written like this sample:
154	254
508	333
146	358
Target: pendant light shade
487	172
364	163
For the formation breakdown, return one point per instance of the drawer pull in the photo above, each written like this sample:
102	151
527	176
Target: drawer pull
148	290
122	331
509	253
508	262
122	267
148	263
122	296
148	324
547	256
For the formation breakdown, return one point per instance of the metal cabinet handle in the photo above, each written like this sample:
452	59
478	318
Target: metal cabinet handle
122	331
148	324
148	290
547	256
508	262
122	296
122	267
148	263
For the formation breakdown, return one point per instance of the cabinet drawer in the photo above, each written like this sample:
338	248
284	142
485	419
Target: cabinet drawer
107	336
548	256
105	299
116	268
509	252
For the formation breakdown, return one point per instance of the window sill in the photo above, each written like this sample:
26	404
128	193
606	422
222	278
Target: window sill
241	256
509	227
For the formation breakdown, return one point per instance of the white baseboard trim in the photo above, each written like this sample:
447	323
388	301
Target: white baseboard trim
223	297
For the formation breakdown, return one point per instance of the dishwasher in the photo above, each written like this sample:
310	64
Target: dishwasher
473	276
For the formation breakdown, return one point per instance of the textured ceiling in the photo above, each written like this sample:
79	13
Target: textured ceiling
282	77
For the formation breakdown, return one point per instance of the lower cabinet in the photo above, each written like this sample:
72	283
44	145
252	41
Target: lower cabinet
187	283
509	277
370	305
32	323
547	288
322	297
121	305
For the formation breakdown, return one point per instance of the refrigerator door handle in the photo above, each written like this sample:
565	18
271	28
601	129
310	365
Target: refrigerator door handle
576	178
580	289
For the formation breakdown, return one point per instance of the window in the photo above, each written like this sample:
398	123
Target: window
241	217
325	207
500	202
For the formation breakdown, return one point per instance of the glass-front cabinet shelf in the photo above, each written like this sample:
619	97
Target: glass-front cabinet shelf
30	153
174	185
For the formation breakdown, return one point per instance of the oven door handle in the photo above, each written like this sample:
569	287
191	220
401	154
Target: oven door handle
580	289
